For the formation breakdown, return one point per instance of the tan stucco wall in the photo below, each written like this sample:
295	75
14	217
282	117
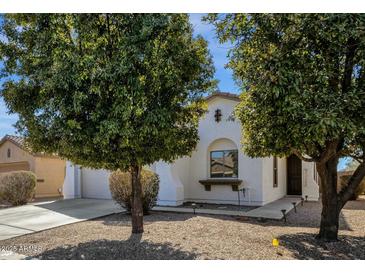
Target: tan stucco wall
51	170
17	155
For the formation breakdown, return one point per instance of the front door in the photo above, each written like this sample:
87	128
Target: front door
294	167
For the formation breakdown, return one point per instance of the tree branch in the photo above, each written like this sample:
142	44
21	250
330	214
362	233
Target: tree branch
352	45
353	183
303	158
358	159
330	151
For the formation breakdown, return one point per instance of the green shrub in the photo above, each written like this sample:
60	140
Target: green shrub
17	187
121	188
342	182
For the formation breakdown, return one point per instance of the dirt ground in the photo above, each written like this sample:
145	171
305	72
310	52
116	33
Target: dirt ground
188	236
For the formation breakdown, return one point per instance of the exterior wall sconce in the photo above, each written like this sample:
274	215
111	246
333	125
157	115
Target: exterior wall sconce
218	115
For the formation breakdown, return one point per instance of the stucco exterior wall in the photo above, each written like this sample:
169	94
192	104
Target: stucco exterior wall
179	181
70	184
182	177
52	172
173	178
95	183
271	193
310	186
17	155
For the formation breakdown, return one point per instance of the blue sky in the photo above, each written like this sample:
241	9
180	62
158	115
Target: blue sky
219	52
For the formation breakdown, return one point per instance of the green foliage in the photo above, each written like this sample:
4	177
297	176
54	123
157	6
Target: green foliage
302	77
121	190
17	187
106	90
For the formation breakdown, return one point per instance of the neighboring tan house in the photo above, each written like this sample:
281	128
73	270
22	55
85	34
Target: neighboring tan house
216	169
50	170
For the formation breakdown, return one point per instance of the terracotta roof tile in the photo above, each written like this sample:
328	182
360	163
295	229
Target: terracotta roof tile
17	140
20	142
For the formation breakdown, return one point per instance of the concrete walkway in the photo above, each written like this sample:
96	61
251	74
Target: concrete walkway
270	211
21	220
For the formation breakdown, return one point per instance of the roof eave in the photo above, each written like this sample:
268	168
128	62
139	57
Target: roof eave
225	95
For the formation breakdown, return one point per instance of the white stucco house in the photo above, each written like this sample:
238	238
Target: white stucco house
217	171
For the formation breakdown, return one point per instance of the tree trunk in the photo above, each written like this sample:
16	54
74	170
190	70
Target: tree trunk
331	205
137	207
329	219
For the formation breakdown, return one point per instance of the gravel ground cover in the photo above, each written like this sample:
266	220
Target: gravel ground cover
188	236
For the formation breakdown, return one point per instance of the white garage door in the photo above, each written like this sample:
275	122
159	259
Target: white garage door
95	184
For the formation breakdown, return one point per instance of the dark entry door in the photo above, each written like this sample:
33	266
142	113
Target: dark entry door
294	167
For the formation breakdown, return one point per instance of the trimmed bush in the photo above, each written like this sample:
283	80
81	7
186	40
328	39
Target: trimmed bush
342	182
17	187
121	188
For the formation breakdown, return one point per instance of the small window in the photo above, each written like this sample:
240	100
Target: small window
9	153
315	175
275	172
224	163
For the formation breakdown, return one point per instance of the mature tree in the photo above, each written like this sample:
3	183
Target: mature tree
303	78
113	91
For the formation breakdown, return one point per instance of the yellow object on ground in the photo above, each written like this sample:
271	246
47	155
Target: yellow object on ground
275	242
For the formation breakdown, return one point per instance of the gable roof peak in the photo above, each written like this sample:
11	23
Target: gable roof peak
226	95
17	140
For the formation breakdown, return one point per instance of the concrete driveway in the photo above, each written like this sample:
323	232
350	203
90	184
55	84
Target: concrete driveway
35	217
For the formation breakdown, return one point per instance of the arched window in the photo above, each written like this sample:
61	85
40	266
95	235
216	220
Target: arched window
224	163
223	159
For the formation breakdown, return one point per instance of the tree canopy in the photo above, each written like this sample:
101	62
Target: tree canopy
303	77
303	92
106	90
113	91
